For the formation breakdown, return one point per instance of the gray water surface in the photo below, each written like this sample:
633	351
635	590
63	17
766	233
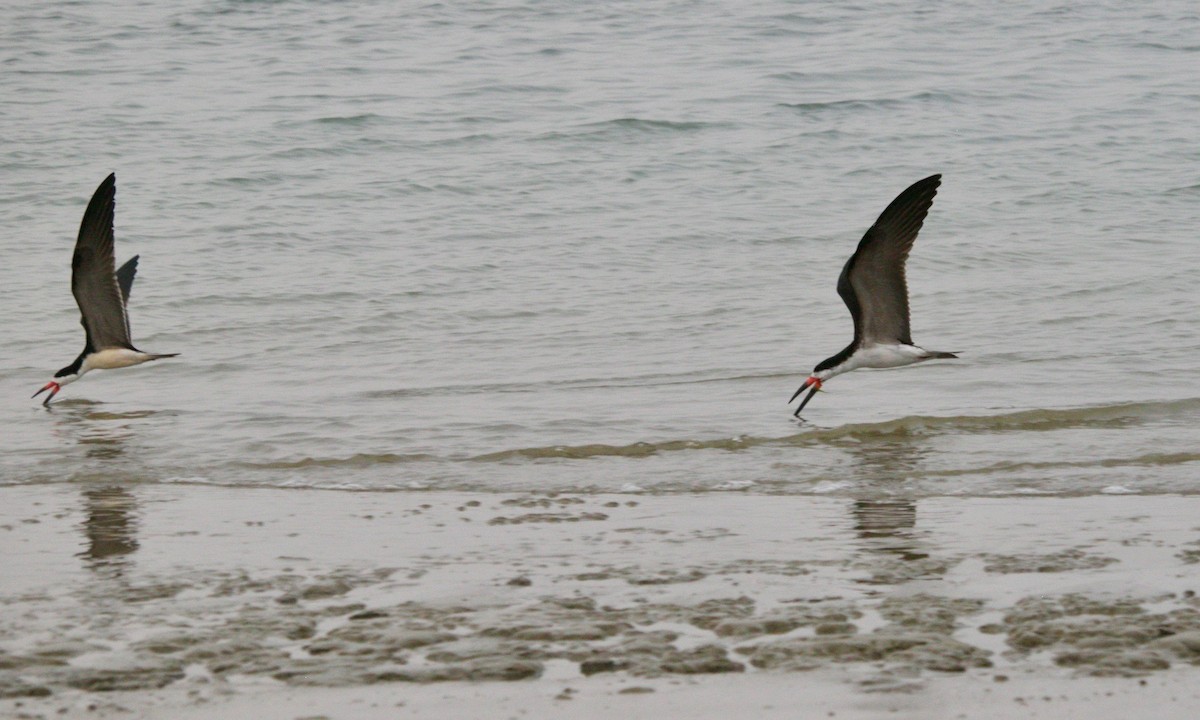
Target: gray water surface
595	246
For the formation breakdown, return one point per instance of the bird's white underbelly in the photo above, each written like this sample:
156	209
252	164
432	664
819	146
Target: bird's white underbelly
112	358
885	356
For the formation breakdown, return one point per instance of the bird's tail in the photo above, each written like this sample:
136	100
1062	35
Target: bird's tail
939	355
159	356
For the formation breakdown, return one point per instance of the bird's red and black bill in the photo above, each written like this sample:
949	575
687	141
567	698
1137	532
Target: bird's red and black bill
812	382
53	387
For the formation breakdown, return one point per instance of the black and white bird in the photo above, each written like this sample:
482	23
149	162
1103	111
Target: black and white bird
875	290
101	294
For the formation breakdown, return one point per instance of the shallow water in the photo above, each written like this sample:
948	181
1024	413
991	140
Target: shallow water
207	593
594	248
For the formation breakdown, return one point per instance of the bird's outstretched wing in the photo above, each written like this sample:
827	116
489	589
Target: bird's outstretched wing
94	281
125	275
873	283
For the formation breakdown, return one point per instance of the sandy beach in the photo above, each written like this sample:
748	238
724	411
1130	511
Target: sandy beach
195	602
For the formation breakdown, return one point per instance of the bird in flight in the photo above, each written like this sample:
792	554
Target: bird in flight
101	293
875	290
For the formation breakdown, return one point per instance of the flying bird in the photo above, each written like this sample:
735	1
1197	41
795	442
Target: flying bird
101	294
875	290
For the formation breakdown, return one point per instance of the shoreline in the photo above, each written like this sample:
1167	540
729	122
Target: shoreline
191	602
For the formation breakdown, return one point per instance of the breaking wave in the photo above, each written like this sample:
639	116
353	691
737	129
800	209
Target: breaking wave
1105	416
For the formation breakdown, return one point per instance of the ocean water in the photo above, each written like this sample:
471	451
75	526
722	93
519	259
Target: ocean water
594	247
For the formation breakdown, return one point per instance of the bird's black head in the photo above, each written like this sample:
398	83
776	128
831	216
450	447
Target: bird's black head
824	370
832	362
73	368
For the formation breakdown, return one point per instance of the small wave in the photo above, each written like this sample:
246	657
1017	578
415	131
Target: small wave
1147	460
586	383
505	89
1106	416
625	126
129	415
633	450
354	461
886	103
1165	46
644	125
361	119
1102	416
239	181
881	103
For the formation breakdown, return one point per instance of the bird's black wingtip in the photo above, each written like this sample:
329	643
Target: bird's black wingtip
106	189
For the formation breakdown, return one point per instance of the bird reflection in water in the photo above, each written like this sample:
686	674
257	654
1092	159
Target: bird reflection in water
889	526
885	519
110	527
102	442
111	515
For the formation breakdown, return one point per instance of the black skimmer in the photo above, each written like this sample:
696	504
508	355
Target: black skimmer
875	290
101	294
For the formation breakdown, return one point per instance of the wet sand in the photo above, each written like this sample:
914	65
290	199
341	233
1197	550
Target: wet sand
194	602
